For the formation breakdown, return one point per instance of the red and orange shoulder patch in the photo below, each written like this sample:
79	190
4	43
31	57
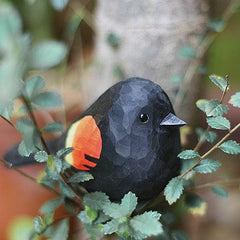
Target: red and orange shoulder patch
85	137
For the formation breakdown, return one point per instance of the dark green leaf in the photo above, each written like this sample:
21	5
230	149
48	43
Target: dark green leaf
53	127
64	152
65	190
187	52
47	54
147	223
111	227
235	100
220	191
58	164
230	147
69	206
41	156
47	100
192	200
38	224
207	166
219	122
61	231
188	154
174	190
59	5
96	200
51	205
32	87
80	177
219	81
179	235
214	108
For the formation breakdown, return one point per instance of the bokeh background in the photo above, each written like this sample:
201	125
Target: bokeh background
109	41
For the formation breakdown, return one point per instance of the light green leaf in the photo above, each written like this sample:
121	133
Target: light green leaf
91	214
219	81
188	154
51	205
235	100
179	235
214	108
6	110
230	147
94	231
111	227
32	87
96	200
220	191
53	127
80	177
47	100
59	5
201	104
210	136
83	217
47	54
38	224
147	223
219	122
174	190
207	166
41	156
61	231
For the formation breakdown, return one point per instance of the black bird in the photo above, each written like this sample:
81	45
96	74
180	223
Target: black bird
128	139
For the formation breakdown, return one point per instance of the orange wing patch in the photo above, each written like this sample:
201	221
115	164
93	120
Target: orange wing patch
85	137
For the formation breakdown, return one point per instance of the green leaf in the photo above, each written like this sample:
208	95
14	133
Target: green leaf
230	147
192	200
174	190
235	100
6	110
147	223
51	169
188	154
41	156
47	54
220	191
187	52
176	79
94	231
219	81
207	166
59	5
201	104
179	235
65	190
214	108
38	225
111	227
64	152
219	122
48	218
96	200
217	25
210	136
47	100
113	40
129	203
32	87
51	205
80	177
91	214
62	230
58	164
83	217
53	127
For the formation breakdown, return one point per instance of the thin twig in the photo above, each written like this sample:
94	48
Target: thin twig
210	151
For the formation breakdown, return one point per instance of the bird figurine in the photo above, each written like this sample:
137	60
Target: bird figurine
128	139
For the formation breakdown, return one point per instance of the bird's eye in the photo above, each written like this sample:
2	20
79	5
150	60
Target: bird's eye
144	117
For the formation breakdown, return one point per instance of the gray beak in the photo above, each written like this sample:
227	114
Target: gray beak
172	120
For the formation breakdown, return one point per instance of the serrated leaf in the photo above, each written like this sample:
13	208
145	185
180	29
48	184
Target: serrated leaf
80	177
179	235
64	152
41	156
219	122
219	81
111	227
188	154
235	100
201	104
47	100
53	127
96	200
51	169
6	110
47	54
147	223
91	214
220	191
94	231
51	205
187	52
207	166
32	87
230	147
61	231
214	108
38	224
174	190
65	190
129	203
59	5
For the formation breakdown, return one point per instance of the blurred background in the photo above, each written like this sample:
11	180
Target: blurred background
175	43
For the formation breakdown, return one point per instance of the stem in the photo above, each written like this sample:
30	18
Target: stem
210	151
